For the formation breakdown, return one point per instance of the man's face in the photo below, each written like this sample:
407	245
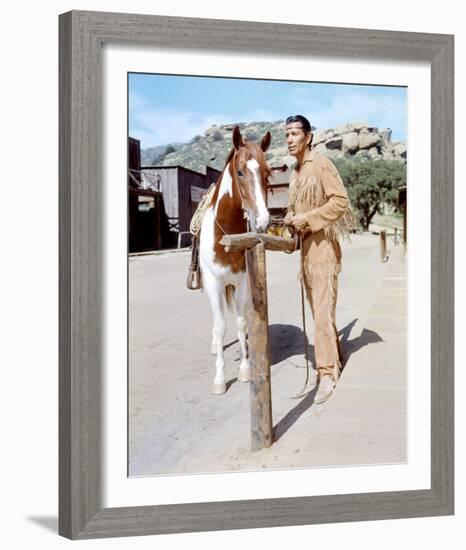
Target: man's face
296	139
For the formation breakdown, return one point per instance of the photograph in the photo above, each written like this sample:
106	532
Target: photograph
267	274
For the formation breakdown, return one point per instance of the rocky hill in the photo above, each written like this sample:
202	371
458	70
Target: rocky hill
155	155
355	139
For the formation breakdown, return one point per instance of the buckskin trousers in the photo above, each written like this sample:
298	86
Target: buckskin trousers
321	283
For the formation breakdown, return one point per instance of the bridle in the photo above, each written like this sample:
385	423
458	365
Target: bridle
240	192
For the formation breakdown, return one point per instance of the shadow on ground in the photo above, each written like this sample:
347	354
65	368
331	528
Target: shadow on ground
288	340
349	347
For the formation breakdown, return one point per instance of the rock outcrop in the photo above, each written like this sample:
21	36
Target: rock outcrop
351	140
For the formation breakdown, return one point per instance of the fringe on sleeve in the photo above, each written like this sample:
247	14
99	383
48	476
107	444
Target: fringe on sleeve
310	192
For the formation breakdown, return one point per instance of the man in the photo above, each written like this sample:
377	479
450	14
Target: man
318	208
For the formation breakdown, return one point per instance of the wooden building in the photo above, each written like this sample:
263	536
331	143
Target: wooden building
134	162
145	220
162	200
277	199
181	189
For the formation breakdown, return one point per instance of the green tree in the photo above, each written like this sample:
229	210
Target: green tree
371	184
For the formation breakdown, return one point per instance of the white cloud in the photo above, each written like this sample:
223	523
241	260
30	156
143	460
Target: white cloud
382	110
161	126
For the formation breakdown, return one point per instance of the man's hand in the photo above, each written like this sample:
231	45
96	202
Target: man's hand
299	222
288	220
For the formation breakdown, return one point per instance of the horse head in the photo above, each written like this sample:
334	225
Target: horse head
250	173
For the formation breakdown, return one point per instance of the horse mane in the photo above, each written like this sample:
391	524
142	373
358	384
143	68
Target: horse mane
230	156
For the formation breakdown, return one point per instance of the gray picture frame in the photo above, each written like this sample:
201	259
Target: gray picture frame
82	34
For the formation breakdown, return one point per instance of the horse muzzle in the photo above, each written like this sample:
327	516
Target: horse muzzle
262	223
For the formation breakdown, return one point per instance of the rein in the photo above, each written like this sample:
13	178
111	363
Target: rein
242	207
302	392
298	240
240	192
238	186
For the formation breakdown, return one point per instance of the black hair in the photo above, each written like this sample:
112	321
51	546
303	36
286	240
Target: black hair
302	119
305	125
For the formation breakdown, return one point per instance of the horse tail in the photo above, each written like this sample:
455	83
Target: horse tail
229	295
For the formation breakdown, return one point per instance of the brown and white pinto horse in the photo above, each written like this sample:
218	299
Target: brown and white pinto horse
239	198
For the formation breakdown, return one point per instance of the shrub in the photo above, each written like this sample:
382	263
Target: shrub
371	184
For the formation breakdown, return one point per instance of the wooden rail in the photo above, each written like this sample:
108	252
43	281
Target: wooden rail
246	241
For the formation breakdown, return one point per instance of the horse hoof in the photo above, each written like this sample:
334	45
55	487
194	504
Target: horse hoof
218	388
244	375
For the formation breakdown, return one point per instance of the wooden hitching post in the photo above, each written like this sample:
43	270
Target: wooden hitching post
254	246
258	339
383	246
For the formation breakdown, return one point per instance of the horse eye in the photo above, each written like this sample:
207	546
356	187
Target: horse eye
240	173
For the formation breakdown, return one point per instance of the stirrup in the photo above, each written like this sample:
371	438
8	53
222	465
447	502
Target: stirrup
194	280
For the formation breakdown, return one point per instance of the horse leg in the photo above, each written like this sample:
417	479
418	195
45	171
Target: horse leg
241	297
213	344
215	332
215	292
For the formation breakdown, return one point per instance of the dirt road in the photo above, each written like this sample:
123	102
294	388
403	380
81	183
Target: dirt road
177	426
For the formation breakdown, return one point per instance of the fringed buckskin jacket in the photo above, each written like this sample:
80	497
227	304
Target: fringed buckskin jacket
317	190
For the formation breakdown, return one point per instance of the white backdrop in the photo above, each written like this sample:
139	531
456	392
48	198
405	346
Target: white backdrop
29	219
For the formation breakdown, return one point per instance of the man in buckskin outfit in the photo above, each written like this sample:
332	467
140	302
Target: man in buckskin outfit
318	208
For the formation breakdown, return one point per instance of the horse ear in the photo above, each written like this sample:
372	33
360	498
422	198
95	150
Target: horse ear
265	143
237	138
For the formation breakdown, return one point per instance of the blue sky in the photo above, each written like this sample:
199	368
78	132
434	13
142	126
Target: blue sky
166	108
